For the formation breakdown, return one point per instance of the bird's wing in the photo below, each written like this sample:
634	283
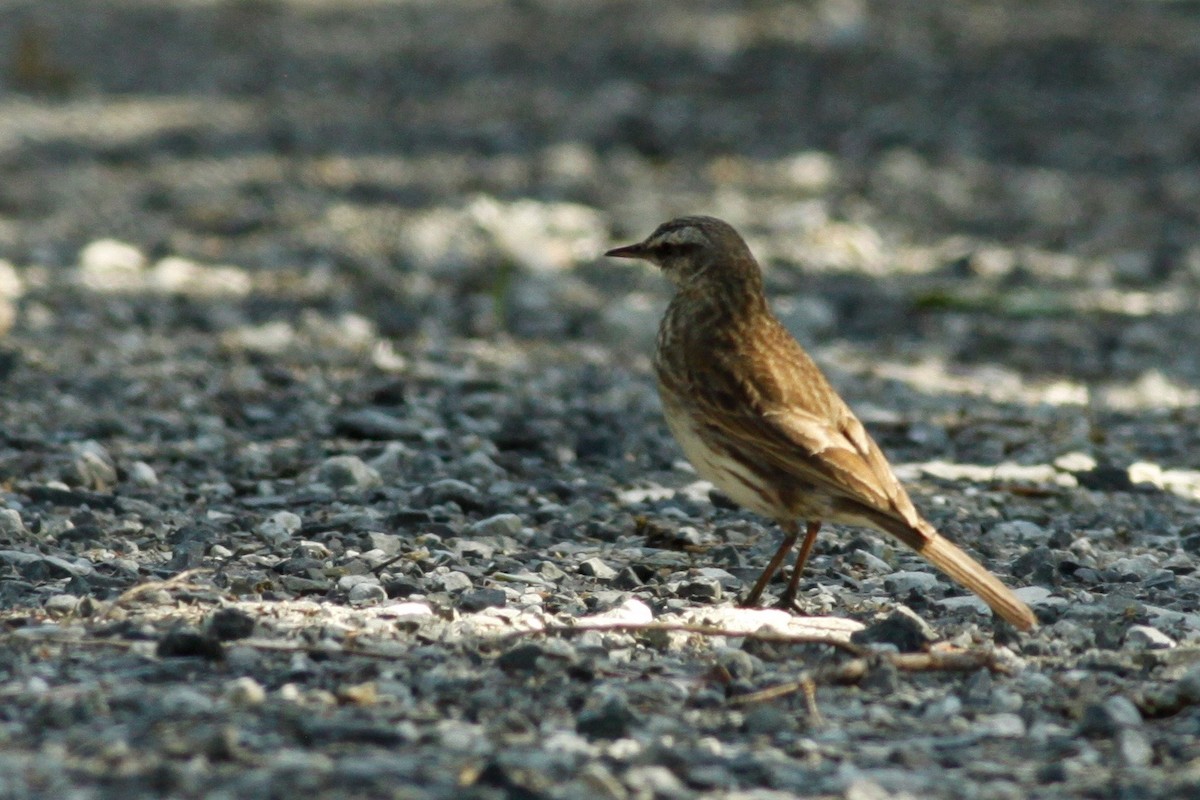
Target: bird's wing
811	435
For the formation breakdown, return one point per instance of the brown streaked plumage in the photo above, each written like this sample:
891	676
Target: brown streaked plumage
758	419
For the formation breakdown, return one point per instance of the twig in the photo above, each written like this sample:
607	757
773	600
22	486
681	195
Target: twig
180	581
767	635
856	669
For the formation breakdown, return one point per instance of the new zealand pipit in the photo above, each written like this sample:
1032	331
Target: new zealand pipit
758	419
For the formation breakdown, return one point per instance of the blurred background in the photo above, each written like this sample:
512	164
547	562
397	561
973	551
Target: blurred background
955	184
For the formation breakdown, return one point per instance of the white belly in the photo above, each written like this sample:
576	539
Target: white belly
727	474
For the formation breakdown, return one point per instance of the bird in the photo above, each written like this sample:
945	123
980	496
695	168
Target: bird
757	418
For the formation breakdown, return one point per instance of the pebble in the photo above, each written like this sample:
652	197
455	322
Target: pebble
497	525
1021	531
230	624
278	528
1134	747
244	692
902	629
1107	718
366	592
143	475
1143	637
595	568
479	599
609	719
349	472
111	265
59	604
453	582
869	562
902	584
94	467
11	525
387	543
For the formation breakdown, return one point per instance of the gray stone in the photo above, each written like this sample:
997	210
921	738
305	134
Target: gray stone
1134	747
1143	637
1107	718
451	490
610	719
768	720
453	582
278	528
904	583
869	562
366	592
596	568
902	629
479	599
94	467
1021	531
11	524
142	474
61	603
349	472
386	543
497	525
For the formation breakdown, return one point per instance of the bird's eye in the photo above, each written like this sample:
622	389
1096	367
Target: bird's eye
674	249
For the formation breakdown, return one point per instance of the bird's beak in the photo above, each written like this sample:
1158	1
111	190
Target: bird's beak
629	251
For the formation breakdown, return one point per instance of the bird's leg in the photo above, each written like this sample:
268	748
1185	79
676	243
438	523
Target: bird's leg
791	532
789	594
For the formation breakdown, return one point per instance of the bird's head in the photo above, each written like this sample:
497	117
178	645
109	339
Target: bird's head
692	249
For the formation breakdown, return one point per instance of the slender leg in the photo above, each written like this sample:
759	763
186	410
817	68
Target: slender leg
791	532
789	594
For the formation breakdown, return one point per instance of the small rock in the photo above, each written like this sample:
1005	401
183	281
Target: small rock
609	720
869	562
245	692
627	579
142	474
386	543
1134	747
904	583
551	571
596	568
1021	531
1003	726
705	591
366	592
230	624
94	467
1143	637
278	528
498	525
61	603
768	720
522	658
1188	686
450	490
902	629
1039	564
479	599
349	472
110	265
185	642
11	524
657	781
374	424
453	582
1109	717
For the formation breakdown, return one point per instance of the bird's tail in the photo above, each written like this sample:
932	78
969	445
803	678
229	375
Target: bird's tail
950	559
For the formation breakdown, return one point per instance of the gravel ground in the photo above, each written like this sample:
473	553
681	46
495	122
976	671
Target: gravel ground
331	463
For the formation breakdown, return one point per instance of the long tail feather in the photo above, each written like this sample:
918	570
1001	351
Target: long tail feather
950	559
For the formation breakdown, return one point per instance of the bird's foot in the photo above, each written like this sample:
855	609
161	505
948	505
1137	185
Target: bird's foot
787	602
